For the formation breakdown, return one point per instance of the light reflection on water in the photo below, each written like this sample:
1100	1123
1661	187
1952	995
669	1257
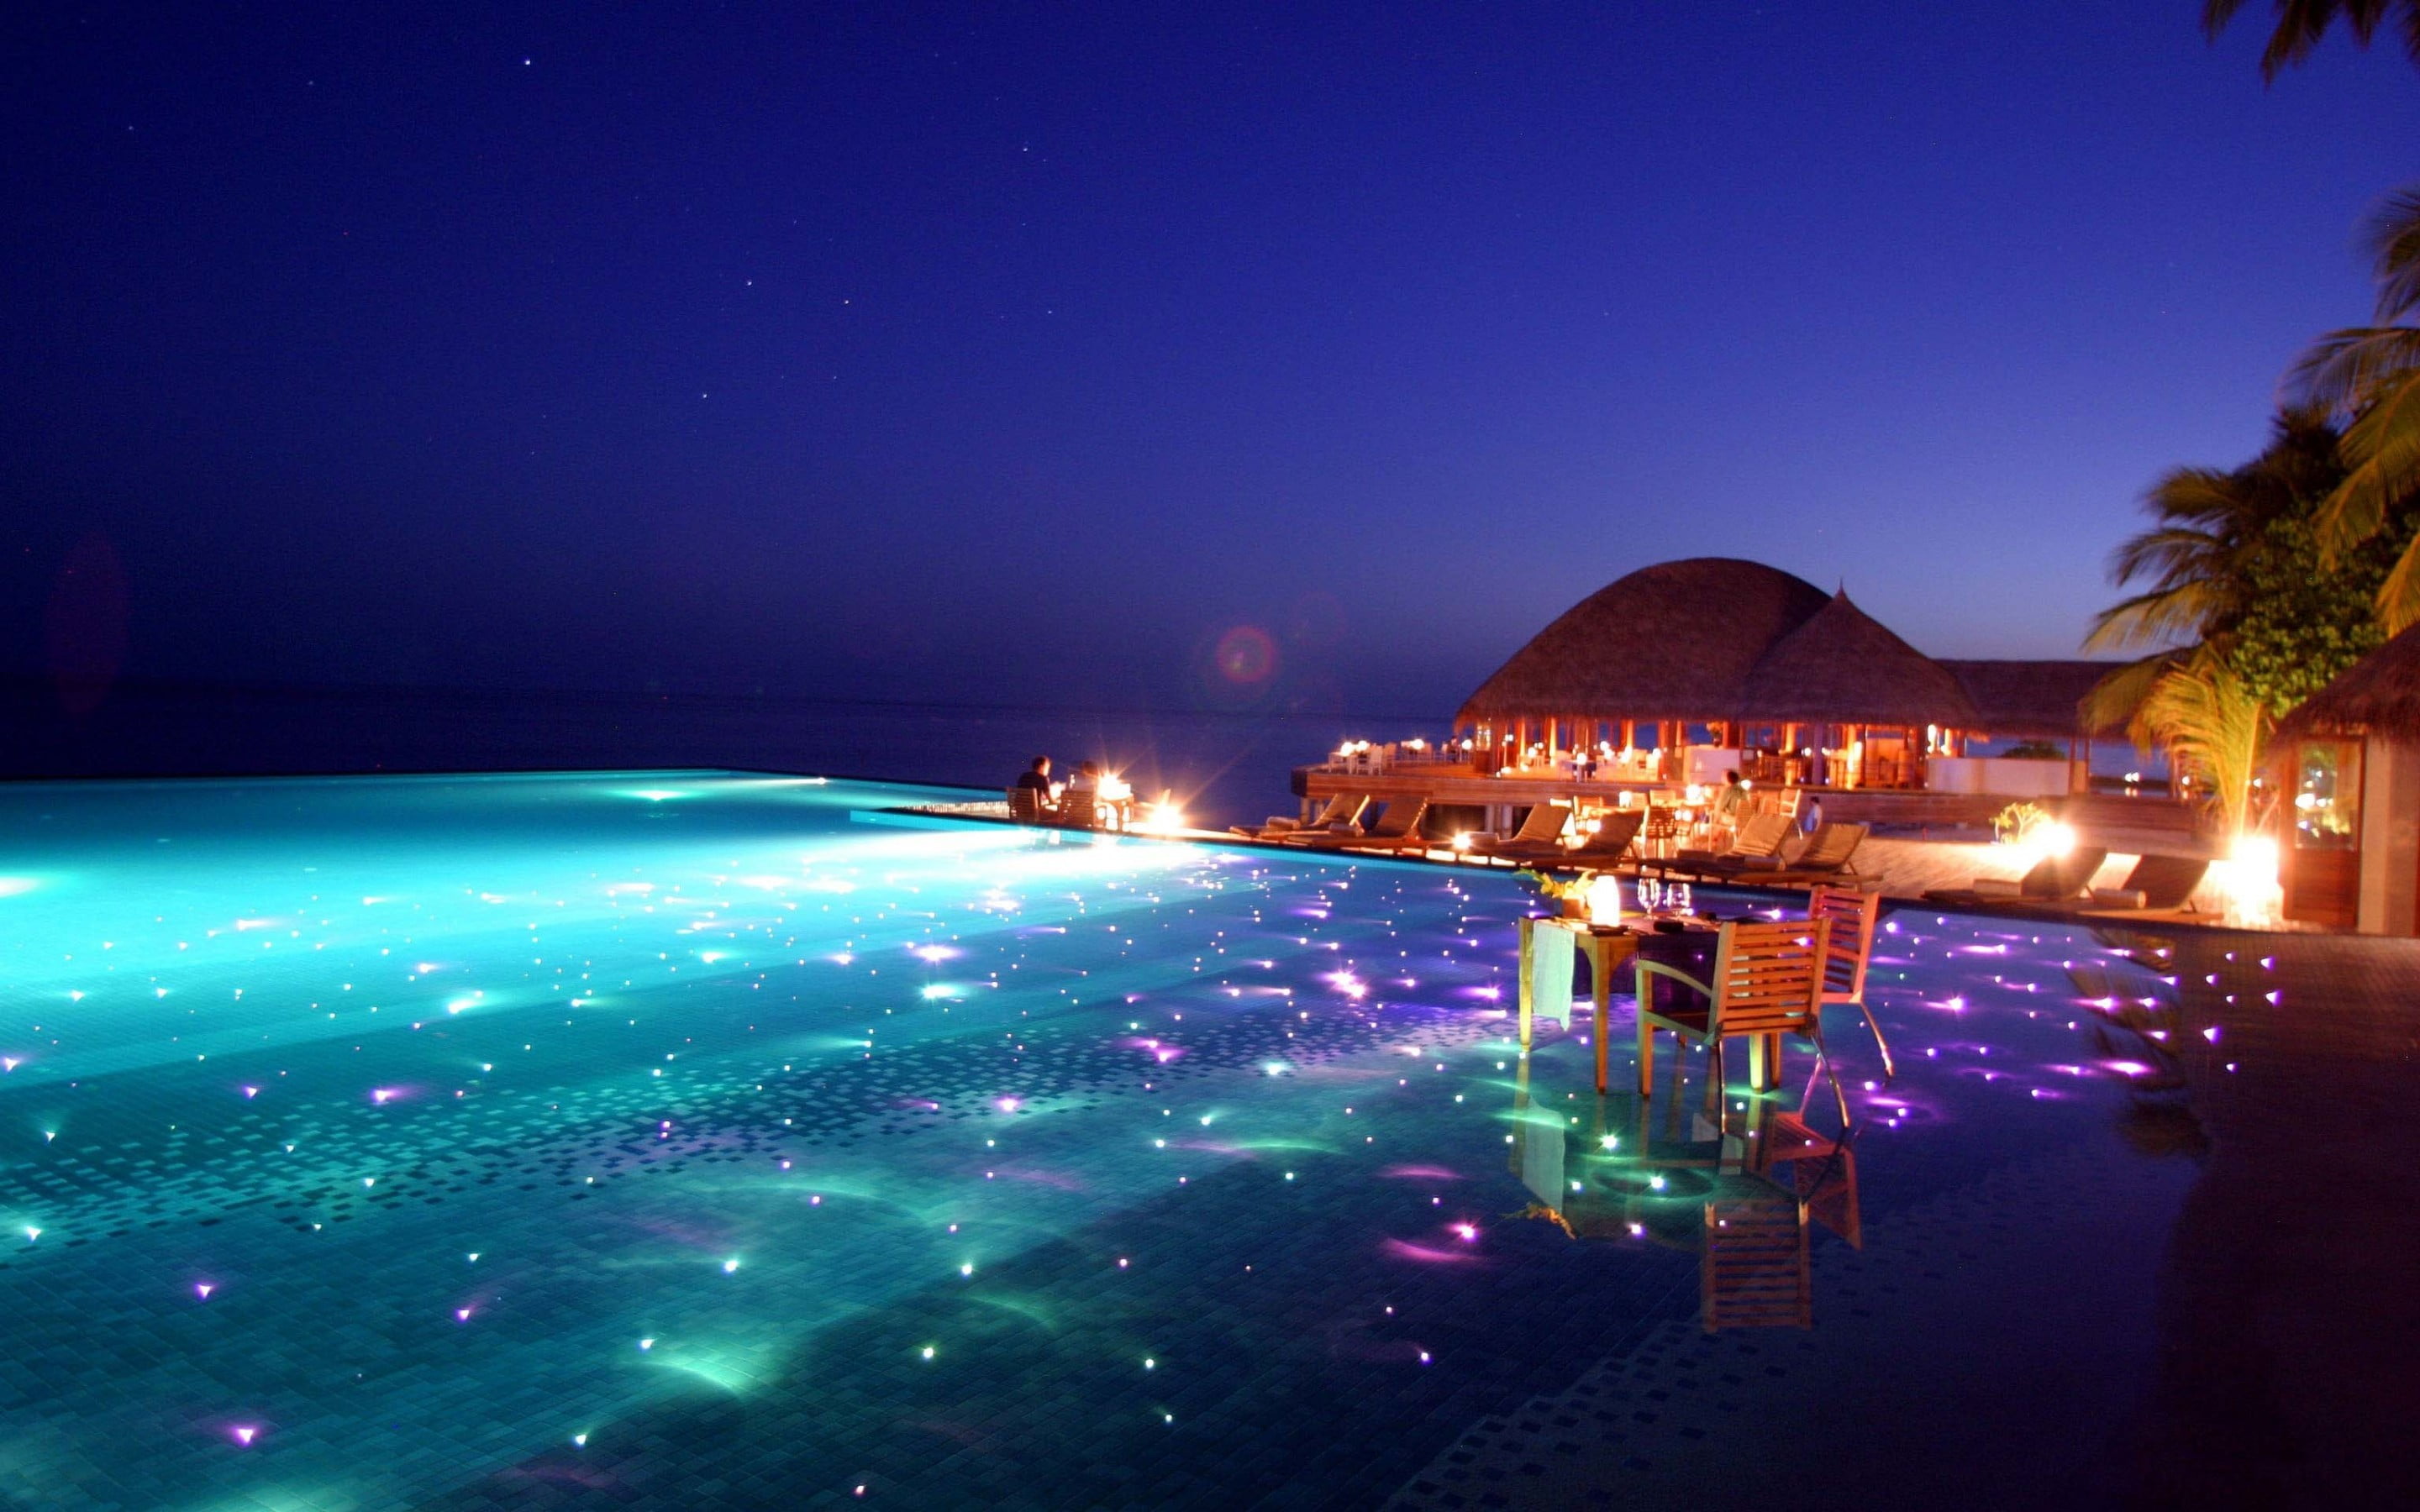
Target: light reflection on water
512	1124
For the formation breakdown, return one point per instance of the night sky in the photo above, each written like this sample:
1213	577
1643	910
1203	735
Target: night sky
1028	351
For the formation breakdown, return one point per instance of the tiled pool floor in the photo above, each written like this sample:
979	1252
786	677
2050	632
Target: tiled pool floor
695	1140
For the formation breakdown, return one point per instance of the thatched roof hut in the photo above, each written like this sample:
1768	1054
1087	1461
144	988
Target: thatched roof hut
1717	639
2379	695
1843	667
2028	698
1676	640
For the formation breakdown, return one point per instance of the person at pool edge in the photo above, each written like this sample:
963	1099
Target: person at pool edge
1037	776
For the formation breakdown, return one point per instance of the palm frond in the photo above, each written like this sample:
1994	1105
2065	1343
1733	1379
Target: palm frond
2301	24
2392	236
2183	612
2346	369
2213	726
2195	496
2383	447
2166	557
2398	596
2118	697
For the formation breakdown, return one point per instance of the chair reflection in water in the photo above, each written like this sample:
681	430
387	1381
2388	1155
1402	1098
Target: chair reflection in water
1740	1187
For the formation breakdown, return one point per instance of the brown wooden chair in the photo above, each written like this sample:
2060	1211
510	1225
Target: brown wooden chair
1849	950
1767	982
1077	810
1025	805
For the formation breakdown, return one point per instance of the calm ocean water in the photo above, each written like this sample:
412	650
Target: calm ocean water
1228	767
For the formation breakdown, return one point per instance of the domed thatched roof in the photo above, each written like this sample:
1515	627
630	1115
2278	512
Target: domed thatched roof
1676	640
1843	667
2378	695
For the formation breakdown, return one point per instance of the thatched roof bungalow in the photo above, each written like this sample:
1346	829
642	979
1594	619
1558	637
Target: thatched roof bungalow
1767	662
1676	640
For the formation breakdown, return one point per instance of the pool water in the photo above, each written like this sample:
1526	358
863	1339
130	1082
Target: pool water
695	1139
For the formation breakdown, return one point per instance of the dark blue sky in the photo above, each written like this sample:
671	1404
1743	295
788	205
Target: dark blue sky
1012	351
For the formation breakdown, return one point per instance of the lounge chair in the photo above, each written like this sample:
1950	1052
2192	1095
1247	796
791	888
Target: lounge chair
1759	844
2055	879
1342	809
1540	832
1767	982
1401	820
2157	885
1602	849
1824	859
1397	830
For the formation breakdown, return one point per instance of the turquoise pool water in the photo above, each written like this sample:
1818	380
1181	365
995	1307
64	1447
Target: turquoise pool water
694	1139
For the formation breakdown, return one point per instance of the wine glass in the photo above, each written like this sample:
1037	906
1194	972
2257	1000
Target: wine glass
1650	890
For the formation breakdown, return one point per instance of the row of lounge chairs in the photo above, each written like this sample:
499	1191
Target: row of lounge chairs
1755	855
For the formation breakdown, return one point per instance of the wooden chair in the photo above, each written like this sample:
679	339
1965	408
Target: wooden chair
1077	810
1849	949
1661	824
1025	805
1767	982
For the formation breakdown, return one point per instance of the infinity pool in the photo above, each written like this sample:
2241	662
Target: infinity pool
691	1139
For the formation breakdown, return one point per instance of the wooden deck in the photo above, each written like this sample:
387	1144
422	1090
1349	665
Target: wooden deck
1460	798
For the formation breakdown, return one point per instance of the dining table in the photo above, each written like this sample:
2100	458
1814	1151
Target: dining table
1547	942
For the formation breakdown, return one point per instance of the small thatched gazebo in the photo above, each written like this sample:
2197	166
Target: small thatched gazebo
2348	759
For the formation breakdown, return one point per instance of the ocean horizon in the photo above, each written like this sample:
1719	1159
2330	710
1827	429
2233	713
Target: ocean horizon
1227	767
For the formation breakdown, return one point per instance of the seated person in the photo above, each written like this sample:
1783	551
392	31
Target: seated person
1087	777
1037	777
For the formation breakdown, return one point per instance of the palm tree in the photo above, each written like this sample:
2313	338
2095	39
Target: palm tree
2192	563
2214	728
2371	373
2301	24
